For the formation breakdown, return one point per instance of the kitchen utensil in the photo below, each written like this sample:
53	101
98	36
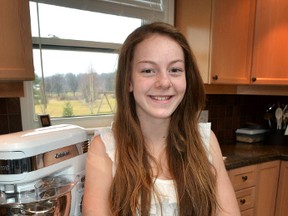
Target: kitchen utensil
270	107
268	116
284	109
279	115
285	118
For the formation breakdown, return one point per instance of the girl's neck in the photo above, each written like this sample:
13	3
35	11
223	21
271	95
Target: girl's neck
155	131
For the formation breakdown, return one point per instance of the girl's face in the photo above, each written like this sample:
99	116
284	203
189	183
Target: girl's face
158	78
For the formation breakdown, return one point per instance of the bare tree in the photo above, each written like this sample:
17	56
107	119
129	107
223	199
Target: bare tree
57	83
89	88
72	82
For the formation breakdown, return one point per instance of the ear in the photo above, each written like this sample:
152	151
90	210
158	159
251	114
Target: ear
130	86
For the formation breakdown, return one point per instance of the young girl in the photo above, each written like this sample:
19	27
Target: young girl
156	159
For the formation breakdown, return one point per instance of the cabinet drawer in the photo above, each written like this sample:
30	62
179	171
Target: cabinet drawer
249	212
246	198
243	177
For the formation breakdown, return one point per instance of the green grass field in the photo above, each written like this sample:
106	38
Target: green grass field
55	107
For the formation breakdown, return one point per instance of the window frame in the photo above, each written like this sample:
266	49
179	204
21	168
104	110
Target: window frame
29	120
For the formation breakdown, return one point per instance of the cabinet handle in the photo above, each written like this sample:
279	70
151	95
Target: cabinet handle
242	201
254	79
244	178
215	77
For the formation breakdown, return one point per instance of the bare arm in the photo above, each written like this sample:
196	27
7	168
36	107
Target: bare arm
97	181
225	192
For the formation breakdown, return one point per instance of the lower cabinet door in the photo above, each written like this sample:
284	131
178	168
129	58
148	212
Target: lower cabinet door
248	212
282	195
267	184
246	198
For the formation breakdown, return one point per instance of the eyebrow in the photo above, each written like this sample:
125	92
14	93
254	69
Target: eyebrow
152	62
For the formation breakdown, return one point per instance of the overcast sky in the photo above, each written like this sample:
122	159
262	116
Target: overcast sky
81	25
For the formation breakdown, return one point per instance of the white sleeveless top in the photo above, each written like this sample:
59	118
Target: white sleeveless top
165	188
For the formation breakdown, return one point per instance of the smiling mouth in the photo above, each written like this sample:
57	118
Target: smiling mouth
161	98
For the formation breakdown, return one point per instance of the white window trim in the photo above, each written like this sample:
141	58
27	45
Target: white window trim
134	8
75	43
28	116
27	103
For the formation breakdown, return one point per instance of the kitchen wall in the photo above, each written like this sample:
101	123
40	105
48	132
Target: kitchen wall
229	112
10	115
226	113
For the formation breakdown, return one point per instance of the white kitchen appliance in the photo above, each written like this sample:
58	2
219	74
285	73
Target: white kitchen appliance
42	171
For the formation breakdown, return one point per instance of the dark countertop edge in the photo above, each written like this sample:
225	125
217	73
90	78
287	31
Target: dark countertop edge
250	154
248	162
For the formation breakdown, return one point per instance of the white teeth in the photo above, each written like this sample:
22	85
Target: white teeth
161	98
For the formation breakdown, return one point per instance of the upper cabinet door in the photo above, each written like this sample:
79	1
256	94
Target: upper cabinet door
193	19
232	38
270	55
220	34
16	62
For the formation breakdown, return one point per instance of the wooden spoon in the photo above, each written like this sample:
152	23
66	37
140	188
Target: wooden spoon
278	115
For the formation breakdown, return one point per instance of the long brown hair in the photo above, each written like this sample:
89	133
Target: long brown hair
187	159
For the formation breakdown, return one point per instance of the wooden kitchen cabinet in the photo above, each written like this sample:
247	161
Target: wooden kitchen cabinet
237	42
243	177
16	61
266	189
244	182
220	34
249	212
193	19
270	63
256	188
232	38
282	194
246	199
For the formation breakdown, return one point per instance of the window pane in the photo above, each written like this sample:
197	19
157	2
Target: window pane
76	83
68	23
65	61
70	82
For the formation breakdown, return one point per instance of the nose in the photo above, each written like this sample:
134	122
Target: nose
163	80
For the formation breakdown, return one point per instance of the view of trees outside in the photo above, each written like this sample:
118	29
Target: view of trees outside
71	82
70	94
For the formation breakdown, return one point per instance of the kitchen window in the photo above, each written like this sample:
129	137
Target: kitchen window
75	46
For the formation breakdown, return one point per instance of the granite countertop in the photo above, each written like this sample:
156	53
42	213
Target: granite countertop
243	154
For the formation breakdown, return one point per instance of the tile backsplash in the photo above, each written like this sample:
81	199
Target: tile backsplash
226	113
10	115
229	112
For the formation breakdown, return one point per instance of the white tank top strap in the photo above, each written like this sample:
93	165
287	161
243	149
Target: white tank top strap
205	131
107	137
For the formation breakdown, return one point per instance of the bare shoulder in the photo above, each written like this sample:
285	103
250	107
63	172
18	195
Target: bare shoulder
215	149
225	192
98	162
98	179
97	146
